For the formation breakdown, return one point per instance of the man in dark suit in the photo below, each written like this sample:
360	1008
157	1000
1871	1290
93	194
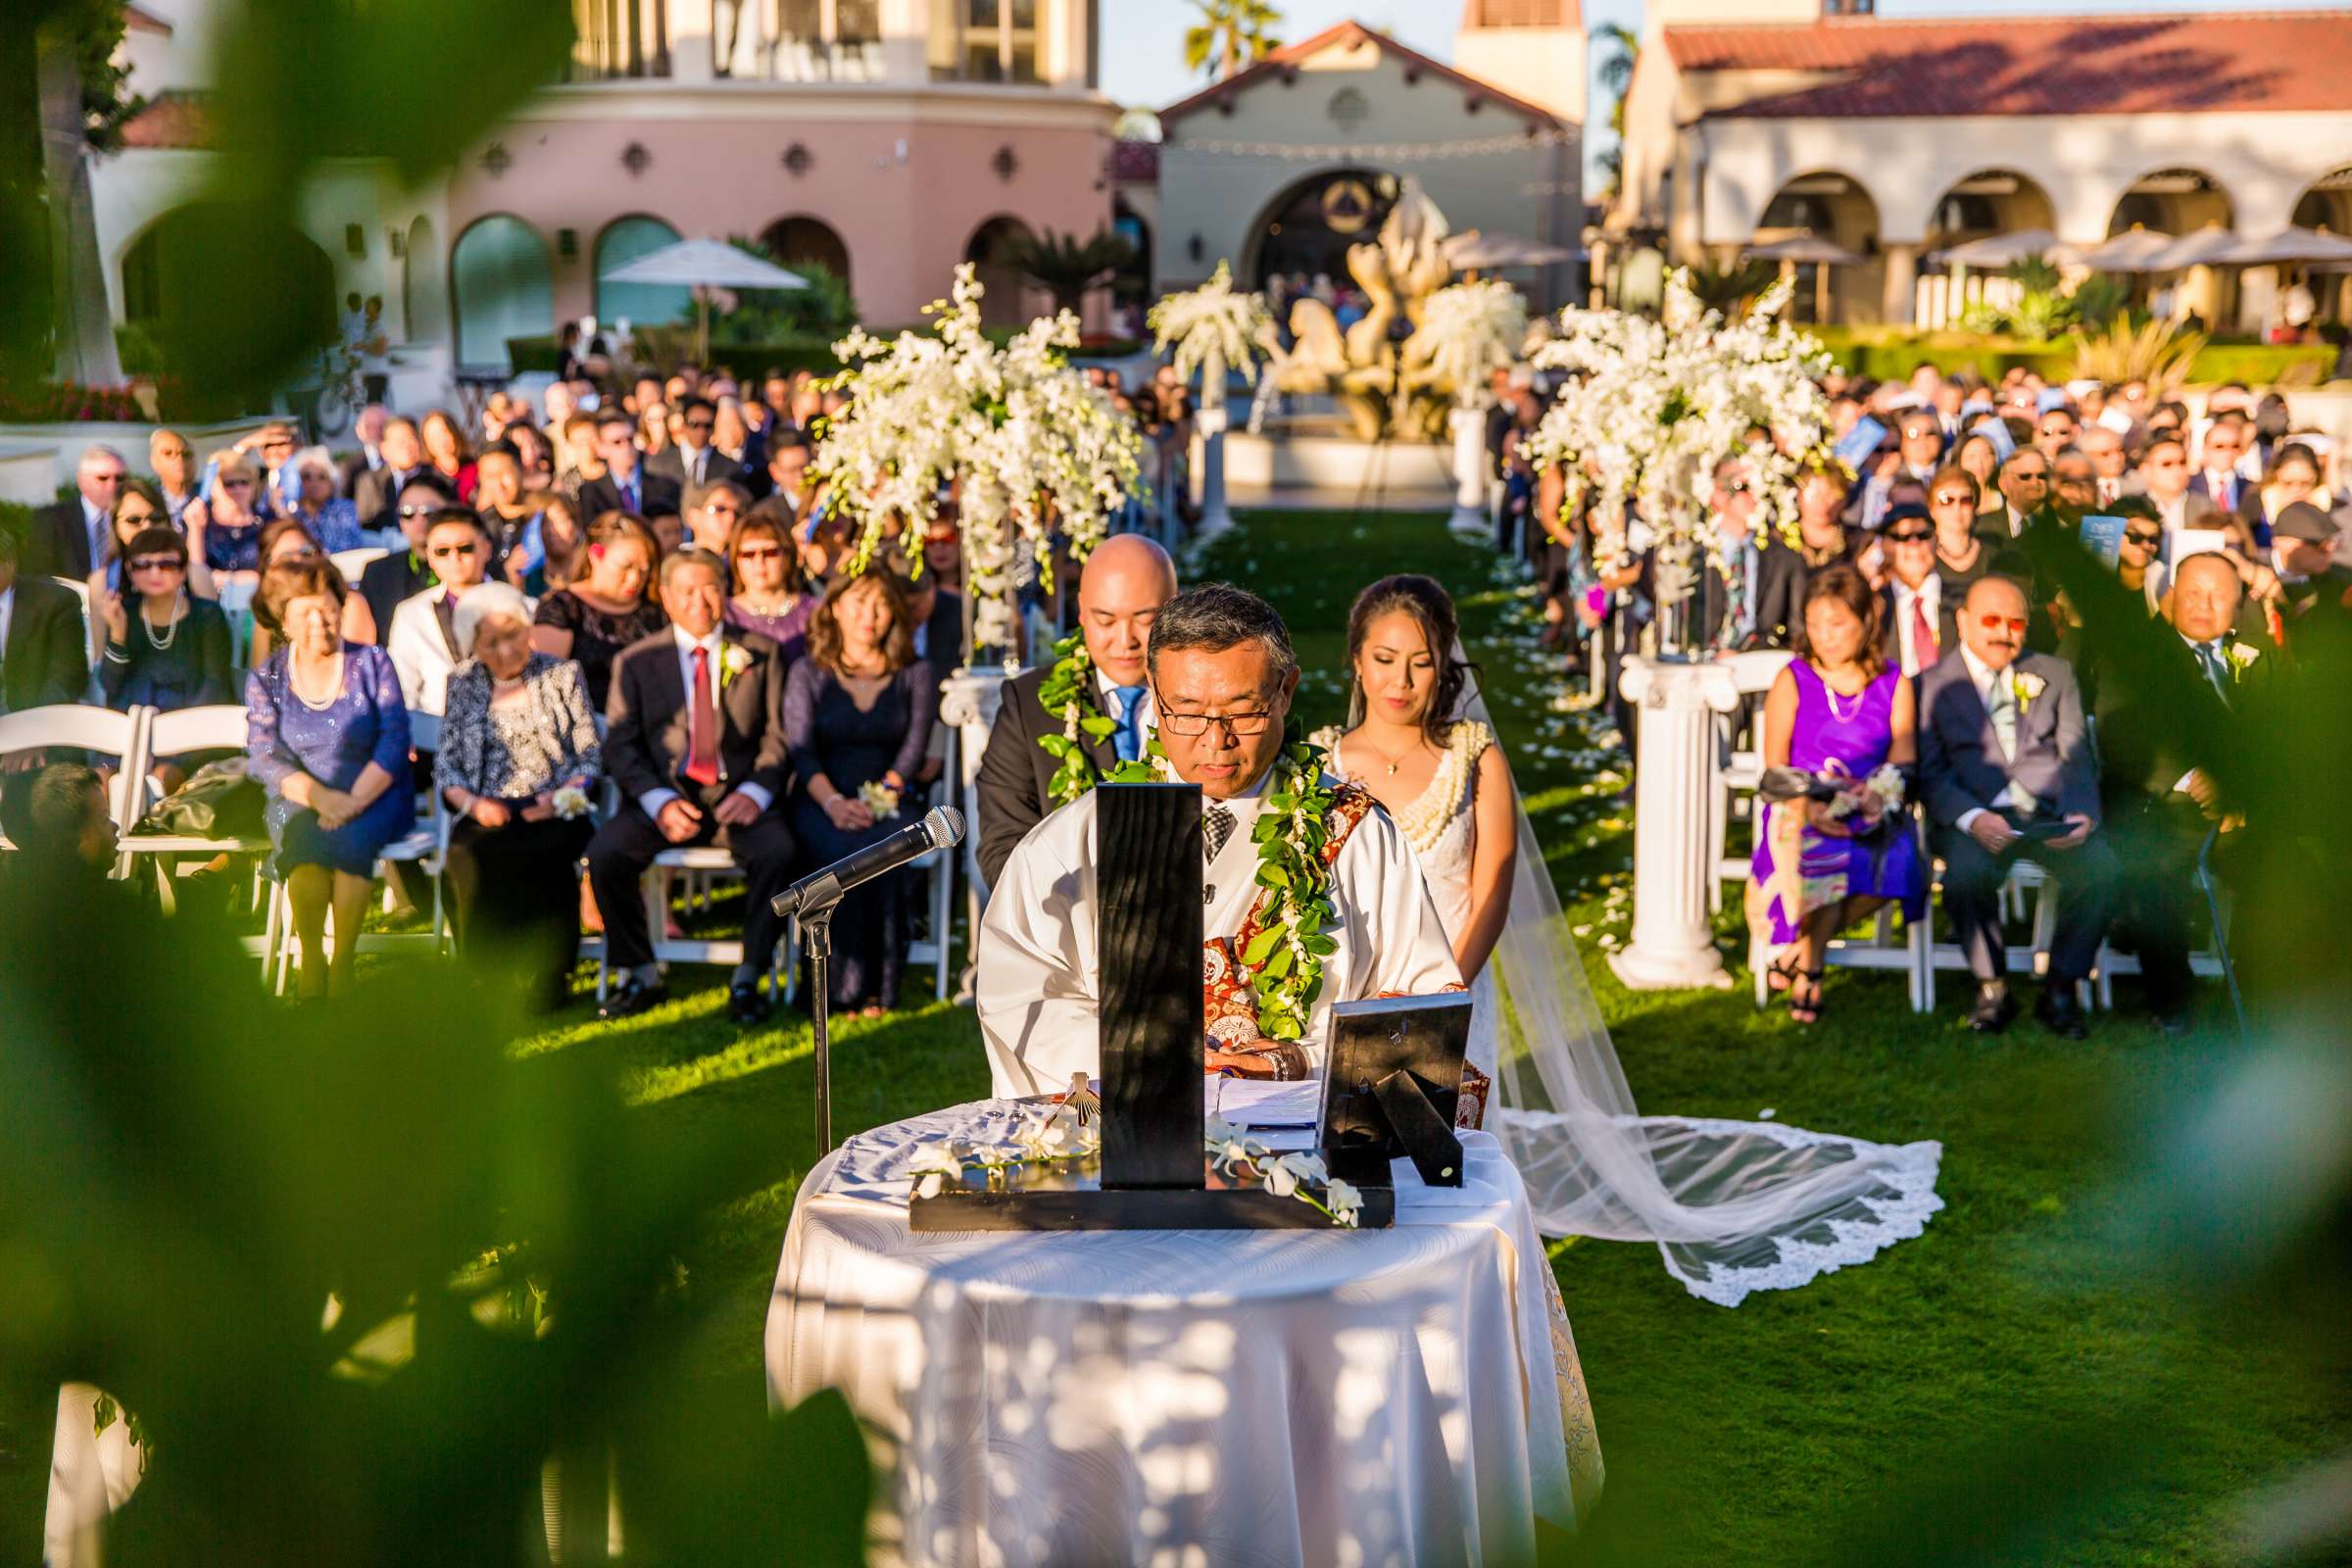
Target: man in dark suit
690	459
393	578
43	655
695	741
2219	481
1728	592
1781	572
66	540
1917	622
2006	769
788	454
374	493
625	487
1126	580
937	616
2158	808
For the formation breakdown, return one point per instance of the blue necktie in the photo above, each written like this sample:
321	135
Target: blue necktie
630	492
1130	736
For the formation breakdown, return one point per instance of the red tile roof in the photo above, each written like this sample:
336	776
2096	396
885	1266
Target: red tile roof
1284	62
2110	64
170	120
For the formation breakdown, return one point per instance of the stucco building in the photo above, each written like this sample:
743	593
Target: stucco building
1751	121
889	139
1284	164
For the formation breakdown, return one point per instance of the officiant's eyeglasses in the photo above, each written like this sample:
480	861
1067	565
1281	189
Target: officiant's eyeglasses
1197	724
2015	623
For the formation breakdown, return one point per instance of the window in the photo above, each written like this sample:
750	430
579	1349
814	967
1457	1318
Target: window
1797	212
984	41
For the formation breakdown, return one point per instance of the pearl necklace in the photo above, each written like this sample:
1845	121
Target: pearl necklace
299	696
1835	713
171	626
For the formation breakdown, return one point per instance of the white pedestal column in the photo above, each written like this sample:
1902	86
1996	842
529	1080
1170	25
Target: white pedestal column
1211	424
1469	519
1674	781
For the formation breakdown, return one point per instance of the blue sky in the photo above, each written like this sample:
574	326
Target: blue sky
1142	44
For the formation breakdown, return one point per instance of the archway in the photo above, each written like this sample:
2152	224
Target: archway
623	241
2326	204
1308	227
503	287
804	241
992	249
1834	207
2178	201
1131	284
423	290
1987	203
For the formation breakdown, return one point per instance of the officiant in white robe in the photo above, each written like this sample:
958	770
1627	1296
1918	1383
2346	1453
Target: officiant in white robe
1222	661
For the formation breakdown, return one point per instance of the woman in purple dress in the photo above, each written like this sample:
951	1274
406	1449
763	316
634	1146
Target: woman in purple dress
857	717
327	735
1839	713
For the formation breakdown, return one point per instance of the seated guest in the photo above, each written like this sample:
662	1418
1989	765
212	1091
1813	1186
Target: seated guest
327	736
423	642
597	615
2139	553
1126	580
69	538
449	454
389	580
517	731
2218	480
2305	543
771	598
178	653
857	715
375	493
2007	770
693	741
625	486
2074	485
1727	592
64	840
937	616
284	542
788	453
1961	556
2164	475
688	461
44	653
138	507
224	527
2293	476
2025	485
331	520
1782	573
2158	809
713	511
1917	623
1840	709
1222	675
552	552
499	499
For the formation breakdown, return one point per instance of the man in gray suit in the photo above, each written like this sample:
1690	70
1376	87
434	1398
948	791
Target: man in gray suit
2006	769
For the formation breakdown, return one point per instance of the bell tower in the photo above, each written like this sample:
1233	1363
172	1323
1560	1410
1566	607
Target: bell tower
1532	49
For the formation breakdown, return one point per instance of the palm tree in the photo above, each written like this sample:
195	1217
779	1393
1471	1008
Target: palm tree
1231	34
1067	266
1616	76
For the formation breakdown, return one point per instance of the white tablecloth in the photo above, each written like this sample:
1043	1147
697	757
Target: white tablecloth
1390	1396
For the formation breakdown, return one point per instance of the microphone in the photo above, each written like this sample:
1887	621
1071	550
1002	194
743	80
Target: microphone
941	829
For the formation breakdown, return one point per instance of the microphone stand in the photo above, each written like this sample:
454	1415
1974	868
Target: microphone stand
816	938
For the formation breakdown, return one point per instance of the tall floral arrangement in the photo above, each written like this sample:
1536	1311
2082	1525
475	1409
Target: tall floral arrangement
1211	328
1652	406
1468	332
1030	447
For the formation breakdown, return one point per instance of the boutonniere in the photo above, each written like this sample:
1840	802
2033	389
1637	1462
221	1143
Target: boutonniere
2025	685
2241	659
733	660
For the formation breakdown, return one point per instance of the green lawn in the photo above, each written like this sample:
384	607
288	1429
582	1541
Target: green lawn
2020	1356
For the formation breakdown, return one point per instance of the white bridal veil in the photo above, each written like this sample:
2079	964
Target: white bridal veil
1734	1207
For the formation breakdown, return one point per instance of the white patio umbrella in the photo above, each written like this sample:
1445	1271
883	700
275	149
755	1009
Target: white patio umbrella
1996	251
705	264
2128	251
2204	248
1473	249
1801	248
2288	246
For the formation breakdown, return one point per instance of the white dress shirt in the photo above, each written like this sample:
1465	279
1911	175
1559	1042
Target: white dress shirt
713	654
1982	678
1930	596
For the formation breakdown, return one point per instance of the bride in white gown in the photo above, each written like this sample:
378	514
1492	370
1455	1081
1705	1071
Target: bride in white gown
1734	1206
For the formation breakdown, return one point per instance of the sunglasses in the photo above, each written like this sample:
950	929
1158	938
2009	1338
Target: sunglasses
134	520
439	551
236	484
699	424
722	508
1954	498
1912	536
2137	537
157	564
2015	623
759	552
2030	477
418	512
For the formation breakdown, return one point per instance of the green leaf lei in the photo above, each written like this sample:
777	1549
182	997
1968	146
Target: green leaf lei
1068	691
1286	933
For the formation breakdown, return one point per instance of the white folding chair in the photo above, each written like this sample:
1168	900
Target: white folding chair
213	727
705	861
84	728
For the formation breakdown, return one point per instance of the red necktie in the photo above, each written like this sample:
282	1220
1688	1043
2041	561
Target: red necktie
702	726
1922	633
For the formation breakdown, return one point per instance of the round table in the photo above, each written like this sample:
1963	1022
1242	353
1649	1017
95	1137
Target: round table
1390	1397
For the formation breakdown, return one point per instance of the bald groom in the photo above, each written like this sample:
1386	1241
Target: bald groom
1125	581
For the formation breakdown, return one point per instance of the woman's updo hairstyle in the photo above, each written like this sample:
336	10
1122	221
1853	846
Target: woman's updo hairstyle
1432	609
